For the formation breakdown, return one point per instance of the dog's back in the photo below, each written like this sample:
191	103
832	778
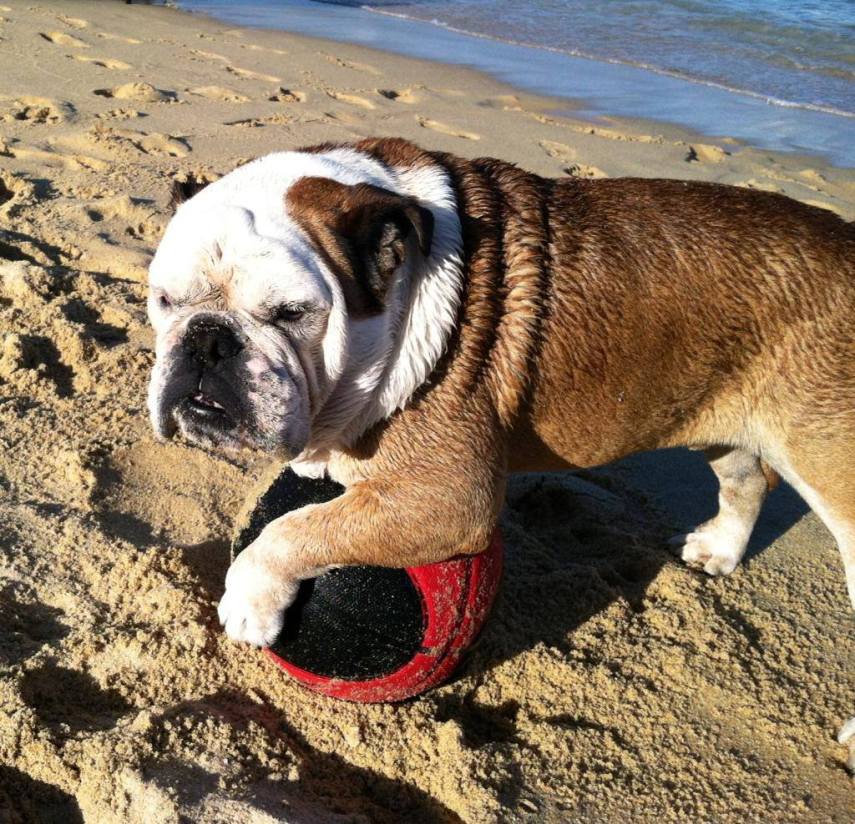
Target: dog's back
692	313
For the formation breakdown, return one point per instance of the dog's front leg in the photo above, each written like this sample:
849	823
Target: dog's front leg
263	580
394	522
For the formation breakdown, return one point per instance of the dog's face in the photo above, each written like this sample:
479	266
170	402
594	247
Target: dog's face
254	305
240	320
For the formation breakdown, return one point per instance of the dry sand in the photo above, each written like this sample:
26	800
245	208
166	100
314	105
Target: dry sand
611	685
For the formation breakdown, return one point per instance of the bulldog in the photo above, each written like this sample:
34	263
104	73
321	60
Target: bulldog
416	326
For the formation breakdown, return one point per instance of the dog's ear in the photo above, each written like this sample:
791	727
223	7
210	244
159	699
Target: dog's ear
363	232
184	186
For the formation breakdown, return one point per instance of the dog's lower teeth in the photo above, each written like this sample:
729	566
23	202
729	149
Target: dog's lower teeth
204	400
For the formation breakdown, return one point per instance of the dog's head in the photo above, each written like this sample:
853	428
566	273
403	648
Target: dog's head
256	289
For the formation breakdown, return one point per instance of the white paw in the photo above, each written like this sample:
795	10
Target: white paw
253	606
846	736
707	551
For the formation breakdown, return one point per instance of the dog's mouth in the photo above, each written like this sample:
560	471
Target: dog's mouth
202	413
202	404
227	407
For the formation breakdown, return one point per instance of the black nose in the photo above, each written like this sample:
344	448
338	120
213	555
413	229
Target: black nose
209	341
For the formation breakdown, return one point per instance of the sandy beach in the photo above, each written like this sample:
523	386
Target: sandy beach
612	684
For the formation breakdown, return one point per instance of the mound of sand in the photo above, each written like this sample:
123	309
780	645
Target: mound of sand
611	684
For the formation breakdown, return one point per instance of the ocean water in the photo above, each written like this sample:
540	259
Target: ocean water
777	74
785	52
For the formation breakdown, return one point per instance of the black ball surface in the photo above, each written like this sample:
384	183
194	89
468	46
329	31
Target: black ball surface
353	623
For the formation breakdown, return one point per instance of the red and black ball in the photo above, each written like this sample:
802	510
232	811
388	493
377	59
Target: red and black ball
368	633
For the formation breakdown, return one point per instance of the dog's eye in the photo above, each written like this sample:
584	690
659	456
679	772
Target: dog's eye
289	313
163	301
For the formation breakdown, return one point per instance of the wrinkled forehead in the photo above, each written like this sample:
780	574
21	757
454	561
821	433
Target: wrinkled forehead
213	250
235	235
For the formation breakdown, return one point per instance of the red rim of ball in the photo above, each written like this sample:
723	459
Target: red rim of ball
456	599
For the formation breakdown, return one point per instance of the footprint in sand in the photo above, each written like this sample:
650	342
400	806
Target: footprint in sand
567	154
64	699
813	176
210	55
607	134
270	120
560	151
59	38
142	92
162	144
761	185
444	128
55	159
505	102
131	41
29	626
73	22
584	170
399	95
39	110
221	93
824	204
253	47
119	140
351	64
706	153
16	193
248	74
120	114
30	799
103	62
138	217
352	99
287	96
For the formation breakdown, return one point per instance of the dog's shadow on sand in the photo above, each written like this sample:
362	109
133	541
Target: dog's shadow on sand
320	786
576	543
680	484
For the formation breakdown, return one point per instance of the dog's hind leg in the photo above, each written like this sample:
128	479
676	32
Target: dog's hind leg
830	492
844	533
718	545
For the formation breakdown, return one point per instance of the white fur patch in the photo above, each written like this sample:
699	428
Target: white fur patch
434	298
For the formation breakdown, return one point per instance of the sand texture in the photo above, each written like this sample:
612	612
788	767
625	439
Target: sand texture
611	685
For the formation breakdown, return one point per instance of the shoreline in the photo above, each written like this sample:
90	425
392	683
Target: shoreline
608	145
592	87
677	75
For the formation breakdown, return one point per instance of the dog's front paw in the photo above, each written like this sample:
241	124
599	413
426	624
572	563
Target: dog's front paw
846	736
253	606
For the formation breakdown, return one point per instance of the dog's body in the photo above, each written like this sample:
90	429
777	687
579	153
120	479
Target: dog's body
447	321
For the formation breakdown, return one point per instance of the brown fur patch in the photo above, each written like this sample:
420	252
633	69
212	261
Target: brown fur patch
361	231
